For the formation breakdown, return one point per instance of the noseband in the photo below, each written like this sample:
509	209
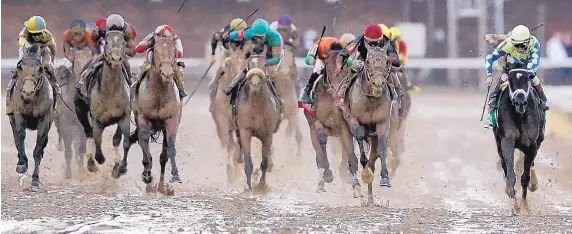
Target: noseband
520	75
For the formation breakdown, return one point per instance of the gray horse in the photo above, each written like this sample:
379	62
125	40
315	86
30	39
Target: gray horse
33	101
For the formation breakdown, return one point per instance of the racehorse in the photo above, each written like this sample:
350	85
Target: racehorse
326	120
287	86
107	103
221	115
519	123
258	115
33	100
371	118
403	112
158	108
67	123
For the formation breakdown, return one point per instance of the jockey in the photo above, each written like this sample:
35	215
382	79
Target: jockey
401	48
285	26
260	34
114	22
35	32
78	36
148	42
235	25
98	34
519	47
371	37
316	57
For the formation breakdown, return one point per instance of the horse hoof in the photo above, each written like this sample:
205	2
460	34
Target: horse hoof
99	158
533	187
68	175
176	179
321	187
34	186
91	167
385	182
367	175
147	177
357	192
21	169
60	146
150	188
328	176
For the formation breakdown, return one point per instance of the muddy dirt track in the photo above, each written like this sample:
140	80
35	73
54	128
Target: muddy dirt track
448	181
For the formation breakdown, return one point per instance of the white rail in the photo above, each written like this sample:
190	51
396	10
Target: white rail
444	63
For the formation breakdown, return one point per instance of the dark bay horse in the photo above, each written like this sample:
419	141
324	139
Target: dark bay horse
371	117
33	101
158	108
326	120
107	103
519	123
68	126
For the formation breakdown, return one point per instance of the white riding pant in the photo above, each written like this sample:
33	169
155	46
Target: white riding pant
318	66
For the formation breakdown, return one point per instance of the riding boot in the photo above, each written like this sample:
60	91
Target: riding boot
273	89
398	86
180	81
540	91
492	105
55	86
343	88
305	97
9	106
235	82
127	68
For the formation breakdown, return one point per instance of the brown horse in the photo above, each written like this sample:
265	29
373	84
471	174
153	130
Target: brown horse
371	117
258	115
287	87
107	103
67	124
220	109
158	109
403	112
33	101
326	120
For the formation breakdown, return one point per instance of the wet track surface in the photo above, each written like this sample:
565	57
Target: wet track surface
448	181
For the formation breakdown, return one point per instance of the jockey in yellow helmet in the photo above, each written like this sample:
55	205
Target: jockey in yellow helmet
35	32
401	48
235	25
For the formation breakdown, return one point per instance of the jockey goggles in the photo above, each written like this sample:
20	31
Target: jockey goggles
520	46
372	43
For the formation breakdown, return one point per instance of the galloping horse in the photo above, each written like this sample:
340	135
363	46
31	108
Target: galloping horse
371	117
33	101
107	103
519	124
67	123
258	115
287	87
158	108
221	115
403	112
326	120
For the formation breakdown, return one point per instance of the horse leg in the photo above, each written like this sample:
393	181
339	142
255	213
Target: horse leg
529	156
382	130
507	146
124	127
366	173
41	141
80	149
68	153
319	142
19	131
348	143
171	126
164	188
60	145
371	165
116	141
533	179
246	139
97	138
266	154
81	111
143	127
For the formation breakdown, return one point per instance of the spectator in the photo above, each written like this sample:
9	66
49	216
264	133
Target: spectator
556	52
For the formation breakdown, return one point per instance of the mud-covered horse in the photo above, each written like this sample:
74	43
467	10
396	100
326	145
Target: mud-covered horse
107	103
324	120
69	128
258	115
518	123
220	109
403	112
287	88
371	117
33	100
157	108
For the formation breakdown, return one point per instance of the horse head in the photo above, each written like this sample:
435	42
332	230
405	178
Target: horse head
81	57
255	77
377	69
164	57
330	65
115	48
519	88
30	73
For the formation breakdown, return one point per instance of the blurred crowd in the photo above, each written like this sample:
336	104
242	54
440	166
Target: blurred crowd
559	49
